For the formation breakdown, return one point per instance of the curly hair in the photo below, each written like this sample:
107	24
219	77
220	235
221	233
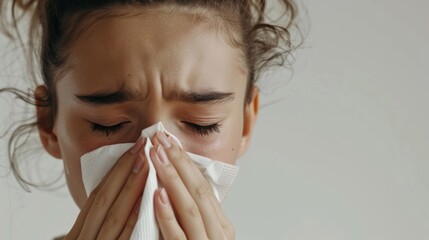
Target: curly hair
53	24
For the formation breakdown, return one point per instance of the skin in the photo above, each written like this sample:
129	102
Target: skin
155	57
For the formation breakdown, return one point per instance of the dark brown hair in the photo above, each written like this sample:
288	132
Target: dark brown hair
52	23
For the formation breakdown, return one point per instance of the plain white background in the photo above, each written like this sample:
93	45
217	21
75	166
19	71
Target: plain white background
342	154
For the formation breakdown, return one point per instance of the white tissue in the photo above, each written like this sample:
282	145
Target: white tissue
97	163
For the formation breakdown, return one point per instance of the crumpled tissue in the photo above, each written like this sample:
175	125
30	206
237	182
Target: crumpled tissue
97	163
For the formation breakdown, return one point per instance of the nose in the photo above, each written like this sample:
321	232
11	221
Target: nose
158	113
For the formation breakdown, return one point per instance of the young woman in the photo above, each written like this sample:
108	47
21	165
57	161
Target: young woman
111	68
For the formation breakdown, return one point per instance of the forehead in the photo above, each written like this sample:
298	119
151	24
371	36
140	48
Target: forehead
157	43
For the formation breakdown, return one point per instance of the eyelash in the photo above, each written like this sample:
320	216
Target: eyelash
204	130
201	130
107	130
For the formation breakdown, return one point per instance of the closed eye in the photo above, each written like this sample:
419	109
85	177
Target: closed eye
203	130
107	130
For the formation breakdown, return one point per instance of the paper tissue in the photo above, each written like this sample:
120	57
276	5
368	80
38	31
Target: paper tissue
97	163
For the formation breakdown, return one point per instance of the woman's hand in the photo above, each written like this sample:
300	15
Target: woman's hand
111	210
186	207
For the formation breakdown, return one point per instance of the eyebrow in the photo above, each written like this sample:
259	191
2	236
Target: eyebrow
105	98
193	97
203	97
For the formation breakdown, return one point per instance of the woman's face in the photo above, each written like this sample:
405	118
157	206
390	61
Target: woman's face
127	73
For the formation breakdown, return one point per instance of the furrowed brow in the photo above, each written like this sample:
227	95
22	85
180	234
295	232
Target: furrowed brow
205	97
106	98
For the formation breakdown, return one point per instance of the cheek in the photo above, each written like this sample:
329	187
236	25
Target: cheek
75	135
72	148
74	176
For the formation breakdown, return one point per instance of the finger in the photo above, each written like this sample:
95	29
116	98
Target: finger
155	140
132	220
187	211
77	227
228	227
109	191
118	213
170	228
200	190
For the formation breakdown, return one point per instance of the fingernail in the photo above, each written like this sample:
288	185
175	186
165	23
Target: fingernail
137	206
163	139
164	197
162	155
138	164
137	146
173	140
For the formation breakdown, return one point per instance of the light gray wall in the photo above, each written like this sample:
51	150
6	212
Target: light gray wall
344	154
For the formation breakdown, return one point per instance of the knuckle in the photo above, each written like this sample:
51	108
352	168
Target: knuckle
166	217
201	191
111	218
192	210
172	174
174	153
180	236
100	200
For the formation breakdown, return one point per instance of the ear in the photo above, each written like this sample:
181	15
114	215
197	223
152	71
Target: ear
45	123
250	113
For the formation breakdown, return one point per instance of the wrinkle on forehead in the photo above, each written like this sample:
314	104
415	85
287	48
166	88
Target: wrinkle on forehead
80	25
154	51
